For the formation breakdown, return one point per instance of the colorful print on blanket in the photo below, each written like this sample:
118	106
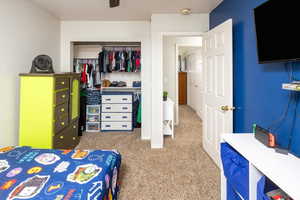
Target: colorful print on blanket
27	173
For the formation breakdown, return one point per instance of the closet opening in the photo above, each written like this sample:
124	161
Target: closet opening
182	76
110	85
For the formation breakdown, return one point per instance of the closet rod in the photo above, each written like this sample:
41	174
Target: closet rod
121	46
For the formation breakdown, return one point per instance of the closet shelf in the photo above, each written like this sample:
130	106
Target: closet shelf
121	88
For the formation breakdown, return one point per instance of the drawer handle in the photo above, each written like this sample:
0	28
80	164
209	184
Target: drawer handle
63	123
124	126
74	138
108	108
61	137
62	82
124	99
74	127
108	99
107	117
107	126
62	110
125	108
63	96
124	117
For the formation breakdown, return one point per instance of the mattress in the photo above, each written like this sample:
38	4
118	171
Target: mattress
27	173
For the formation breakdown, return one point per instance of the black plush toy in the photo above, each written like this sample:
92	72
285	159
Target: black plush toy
42	64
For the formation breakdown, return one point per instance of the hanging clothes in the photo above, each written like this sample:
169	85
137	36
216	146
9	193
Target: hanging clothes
129	63
97	76
119	60
83	74
138	61
136	110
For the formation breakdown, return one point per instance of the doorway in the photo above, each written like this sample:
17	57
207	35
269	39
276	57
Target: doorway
182	67
190	79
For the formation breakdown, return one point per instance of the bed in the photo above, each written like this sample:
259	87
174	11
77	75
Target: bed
27	173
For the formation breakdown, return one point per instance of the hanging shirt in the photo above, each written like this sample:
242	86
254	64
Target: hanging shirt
138	61
113	61
97	80
118	61
100	61
83	74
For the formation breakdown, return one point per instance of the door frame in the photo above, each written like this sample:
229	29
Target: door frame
177	77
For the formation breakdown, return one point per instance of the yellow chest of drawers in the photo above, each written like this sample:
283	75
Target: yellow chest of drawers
49	110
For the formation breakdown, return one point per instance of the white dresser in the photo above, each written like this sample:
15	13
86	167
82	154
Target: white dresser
116	111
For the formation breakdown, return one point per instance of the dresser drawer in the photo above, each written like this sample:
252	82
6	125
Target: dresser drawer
117	108
67	139
117	99
61	110
61	123
116	126
116	117
74	140
61	97
62	83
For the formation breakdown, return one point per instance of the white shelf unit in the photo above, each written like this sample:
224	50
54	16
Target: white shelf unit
282	169
291	87
168	117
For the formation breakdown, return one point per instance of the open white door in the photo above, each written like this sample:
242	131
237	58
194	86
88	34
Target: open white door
218	87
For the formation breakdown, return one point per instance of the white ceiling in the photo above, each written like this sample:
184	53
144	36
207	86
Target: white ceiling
129	9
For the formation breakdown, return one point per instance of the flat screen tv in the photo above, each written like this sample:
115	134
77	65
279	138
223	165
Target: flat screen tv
277	24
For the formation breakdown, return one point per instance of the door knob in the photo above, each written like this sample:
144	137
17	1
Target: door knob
227	108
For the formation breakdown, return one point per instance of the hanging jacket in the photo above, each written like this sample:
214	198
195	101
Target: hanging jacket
118	61
133	56
113	61
100	61
97	80
106	62
138	61
122	61
110	61
83	74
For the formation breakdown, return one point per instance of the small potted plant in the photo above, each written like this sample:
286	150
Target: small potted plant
165	95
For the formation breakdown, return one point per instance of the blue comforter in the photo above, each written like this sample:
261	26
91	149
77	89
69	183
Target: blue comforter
27	173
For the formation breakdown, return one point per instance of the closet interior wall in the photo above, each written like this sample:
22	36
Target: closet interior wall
88	53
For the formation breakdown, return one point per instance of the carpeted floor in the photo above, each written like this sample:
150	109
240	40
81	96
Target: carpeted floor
180	171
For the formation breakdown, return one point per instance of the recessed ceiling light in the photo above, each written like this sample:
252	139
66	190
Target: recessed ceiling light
186	11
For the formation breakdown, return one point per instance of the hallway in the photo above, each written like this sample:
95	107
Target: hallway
180	171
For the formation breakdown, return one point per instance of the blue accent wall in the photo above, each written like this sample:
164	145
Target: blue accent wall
257	87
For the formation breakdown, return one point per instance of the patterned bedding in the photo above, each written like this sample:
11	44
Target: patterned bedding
27	173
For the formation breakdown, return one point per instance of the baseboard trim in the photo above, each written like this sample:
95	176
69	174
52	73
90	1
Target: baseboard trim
156	146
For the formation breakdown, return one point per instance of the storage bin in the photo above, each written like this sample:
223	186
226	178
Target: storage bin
136	84
231	193
93	118
264	186
236	171
93	126
95	109
93	97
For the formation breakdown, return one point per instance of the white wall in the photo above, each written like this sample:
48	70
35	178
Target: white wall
26	31
168	24
170	70
127	31
195	80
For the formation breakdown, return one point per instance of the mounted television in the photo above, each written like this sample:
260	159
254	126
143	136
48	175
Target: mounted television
277	31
